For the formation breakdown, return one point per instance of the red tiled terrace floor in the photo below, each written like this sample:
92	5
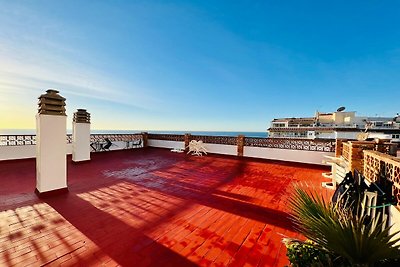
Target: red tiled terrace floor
151	207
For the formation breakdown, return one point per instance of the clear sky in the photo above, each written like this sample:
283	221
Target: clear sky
199	65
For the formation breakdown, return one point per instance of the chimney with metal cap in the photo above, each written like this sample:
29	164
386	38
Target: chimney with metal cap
51	144
81	136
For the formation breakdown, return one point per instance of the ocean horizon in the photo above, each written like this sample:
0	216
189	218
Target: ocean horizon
210	133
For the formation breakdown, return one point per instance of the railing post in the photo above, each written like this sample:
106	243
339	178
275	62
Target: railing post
240	145
380	145
357	156
51	147
188	136
392	149
339	147
81	136
145	136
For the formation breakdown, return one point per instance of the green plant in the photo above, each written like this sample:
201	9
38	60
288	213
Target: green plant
337	231
304	254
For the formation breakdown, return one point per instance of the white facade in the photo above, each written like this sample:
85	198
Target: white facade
344	125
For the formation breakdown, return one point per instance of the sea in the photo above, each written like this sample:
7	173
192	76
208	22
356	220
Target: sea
211	133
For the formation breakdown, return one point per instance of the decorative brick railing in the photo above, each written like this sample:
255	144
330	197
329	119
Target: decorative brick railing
346	148
352	152
318	145
17	140
115	137
167	137
322	145
23	140
221	140
378	165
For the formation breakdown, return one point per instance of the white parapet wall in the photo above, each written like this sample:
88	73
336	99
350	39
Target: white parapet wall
221	149
22	152
301	156
211	148
117	145
394	220
312	157
17	152
29	151
166	144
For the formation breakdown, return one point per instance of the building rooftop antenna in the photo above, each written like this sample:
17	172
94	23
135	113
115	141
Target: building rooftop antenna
340	109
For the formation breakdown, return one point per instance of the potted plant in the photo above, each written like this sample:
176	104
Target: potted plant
336	236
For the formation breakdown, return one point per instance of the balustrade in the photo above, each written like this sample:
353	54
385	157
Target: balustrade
378	165
23	140
321	145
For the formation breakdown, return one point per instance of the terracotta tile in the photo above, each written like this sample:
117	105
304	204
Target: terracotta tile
150	207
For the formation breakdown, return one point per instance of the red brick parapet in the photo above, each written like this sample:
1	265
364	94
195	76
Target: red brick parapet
339	147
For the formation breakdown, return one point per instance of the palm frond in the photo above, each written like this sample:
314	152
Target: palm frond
337	230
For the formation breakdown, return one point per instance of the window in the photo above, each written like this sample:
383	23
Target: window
279	125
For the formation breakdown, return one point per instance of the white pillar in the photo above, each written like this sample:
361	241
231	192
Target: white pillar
81	136
51	146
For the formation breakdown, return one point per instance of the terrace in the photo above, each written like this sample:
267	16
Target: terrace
136	203
151	207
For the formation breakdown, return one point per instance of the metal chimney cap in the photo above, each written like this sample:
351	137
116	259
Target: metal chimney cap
50	91
52	94
81	116
51	103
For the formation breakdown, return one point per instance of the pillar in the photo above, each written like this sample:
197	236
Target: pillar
145	136
187	140
81	136
240	145
339	147
51	145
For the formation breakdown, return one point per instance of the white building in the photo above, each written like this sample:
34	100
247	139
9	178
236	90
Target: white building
335	125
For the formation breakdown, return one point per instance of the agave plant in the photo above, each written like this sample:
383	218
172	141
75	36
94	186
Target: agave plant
338	231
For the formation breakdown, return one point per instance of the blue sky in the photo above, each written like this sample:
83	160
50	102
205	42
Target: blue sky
199	65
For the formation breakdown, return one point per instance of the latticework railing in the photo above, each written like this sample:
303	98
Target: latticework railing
322	145
222	140
378	166
352	152
115	137
167	137
69	138
318	145
17	140
346	148
24	140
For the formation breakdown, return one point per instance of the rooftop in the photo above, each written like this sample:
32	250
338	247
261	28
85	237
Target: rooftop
151	207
